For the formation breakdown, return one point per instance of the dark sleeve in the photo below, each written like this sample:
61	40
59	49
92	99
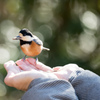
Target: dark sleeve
50	89
86	85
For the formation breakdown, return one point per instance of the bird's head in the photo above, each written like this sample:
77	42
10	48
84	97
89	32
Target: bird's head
24	35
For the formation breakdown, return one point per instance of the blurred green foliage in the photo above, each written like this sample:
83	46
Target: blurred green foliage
70	28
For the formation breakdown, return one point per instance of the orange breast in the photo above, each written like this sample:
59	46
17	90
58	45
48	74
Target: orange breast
31	50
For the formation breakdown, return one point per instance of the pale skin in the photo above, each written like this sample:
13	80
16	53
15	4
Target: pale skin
21	75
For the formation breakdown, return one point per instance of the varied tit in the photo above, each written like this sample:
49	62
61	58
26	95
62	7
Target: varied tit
29	43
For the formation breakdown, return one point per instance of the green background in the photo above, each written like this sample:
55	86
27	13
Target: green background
70	28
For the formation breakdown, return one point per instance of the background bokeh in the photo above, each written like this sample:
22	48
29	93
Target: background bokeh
70	28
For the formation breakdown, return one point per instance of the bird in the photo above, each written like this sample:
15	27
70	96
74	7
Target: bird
30	44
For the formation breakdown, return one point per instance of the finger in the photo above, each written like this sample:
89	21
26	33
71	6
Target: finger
11	66
24	65
30	65
31	61
57	68
39	65
43	67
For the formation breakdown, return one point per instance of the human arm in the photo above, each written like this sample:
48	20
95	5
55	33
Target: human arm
50	89
85	82
87	85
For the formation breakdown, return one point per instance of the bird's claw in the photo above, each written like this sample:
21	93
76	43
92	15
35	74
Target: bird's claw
36	60
24	58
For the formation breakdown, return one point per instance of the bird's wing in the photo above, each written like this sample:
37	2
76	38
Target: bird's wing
37	40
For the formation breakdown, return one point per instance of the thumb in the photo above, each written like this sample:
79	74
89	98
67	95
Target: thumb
10	66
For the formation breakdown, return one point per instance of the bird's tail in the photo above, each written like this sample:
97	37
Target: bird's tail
44	48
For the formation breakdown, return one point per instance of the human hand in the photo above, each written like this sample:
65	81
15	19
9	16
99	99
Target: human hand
65	71
21	76
62	72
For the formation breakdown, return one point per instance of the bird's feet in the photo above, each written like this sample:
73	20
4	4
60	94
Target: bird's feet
24	58
36	60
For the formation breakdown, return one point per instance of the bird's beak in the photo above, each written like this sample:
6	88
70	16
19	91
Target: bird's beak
17	38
